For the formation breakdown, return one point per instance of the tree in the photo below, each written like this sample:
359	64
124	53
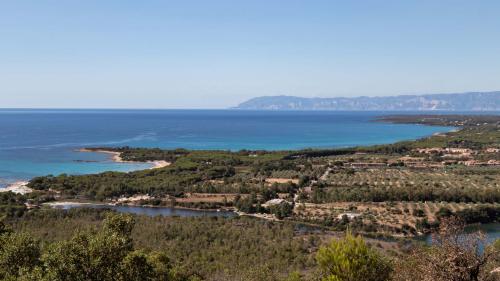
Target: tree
454	256
493	267
92	255
351	259
18	253
135	267
106	254
282	210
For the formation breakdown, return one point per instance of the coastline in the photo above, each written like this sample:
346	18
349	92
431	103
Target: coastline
395	119
115	156
18	187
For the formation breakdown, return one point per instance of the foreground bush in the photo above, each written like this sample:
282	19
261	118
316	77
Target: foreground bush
351	259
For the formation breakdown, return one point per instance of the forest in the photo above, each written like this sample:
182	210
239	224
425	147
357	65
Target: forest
85	244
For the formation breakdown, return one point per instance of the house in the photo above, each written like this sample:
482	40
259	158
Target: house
349	216
493	163
463	151
274	202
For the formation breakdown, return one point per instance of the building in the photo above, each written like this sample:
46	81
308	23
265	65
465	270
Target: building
274	202
349	216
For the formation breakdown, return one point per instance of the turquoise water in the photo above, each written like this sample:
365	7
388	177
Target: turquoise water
41	142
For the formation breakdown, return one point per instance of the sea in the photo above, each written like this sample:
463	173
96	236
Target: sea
36	142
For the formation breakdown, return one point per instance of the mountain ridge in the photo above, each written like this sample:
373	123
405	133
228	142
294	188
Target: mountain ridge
469	101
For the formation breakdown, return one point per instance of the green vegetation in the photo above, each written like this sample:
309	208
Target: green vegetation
453	256
244	171
389	184
393	191
350	259
95	255
191	172
97	245
245	180
12	205
212	248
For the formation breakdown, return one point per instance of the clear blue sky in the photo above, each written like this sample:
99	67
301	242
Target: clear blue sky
214	54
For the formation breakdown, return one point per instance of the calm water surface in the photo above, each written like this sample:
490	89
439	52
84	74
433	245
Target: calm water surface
152	211
491	230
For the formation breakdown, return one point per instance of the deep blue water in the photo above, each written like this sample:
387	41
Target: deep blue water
41	142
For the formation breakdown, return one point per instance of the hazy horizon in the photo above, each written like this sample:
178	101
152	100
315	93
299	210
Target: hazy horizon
217	54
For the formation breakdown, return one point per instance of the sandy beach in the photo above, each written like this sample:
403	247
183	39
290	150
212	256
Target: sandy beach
19	187
68	203
116	157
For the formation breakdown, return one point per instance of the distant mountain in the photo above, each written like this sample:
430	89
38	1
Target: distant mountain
477	101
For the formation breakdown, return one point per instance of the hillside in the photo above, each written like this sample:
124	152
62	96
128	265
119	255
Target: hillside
476	101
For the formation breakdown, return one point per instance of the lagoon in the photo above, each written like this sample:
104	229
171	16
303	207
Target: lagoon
149	211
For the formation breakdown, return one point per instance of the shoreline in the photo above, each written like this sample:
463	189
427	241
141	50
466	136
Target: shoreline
55	204
115	156
18	187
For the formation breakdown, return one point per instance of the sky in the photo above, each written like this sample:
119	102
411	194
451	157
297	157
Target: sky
218	53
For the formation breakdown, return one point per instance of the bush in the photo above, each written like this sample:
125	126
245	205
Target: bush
351	259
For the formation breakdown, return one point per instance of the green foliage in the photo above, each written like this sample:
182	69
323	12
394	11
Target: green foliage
11	204
407	193
213	248
294	276
103	254
190	172
282	210
478	214
18	253
351	259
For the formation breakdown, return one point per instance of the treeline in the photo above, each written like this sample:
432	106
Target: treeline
219	156
480	214
169	180
396	148
442	120
190	172
421	193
